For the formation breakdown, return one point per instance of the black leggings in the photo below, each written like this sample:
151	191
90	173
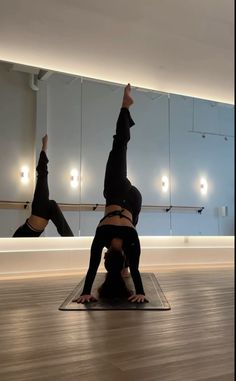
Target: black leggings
42	206
117	187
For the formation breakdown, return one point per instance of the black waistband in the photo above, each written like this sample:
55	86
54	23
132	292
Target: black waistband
116	213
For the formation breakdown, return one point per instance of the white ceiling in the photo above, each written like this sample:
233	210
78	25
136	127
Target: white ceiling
177	46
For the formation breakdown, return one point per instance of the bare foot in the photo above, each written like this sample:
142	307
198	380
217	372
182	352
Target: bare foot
127	100
45	143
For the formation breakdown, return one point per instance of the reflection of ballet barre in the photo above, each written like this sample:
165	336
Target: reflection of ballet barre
14	204
197	209
101	207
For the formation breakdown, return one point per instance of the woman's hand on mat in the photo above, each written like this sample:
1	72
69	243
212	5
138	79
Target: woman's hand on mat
139	298
85	299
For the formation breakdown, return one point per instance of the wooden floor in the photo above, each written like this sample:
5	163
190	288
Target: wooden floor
193	341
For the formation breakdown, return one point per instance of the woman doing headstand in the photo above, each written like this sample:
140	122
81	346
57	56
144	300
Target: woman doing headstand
43	209
116	230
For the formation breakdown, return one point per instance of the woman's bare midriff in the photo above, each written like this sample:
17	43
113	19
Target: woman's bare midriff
117	220
37	223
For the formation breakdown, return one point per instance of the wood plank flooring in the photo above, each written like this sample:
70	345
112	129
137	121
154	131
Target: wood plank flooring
193	341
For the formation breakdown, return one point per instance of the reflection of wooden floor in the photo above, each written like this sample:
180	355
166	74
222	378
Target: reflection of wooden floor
191	342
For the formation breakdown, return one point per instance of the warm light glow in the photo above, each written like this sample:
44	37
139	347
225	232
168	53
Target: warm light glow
25	174
87	69
156	250
165	183
74	178
203	186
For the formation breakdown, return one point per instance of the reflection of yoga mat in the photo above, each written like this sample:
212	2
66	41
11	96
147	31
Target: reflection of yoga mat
153	292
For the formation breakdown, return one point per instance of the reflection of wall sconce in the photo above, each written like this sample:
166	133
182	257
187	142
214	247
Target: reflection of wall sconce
223	211
24	174
203	186
74	178
165	183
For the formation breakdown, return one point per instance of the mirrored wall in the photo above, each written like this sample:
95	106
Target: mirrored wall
180	155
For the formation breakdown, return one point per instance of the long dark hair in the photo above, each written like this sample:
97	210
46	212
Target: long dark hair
114	285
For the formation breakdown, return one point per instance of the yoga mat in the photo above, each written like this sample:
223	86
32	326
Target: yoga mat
153	292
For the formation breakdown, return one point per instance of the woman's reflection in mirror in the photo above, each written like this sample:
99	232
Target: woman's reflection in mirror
43	209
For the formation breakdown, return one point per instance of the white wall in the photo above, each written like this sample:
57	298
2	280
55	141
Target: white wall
80	118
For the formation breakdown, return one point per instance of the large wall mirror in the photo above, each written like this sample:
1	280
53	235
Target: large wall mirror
180	155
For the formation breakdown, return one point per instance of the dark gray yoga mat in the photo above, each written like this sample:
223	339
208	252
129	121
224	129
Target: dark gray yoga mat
153	292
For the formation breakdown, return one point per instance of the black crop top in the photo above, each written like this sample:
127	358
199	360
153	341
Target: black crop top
131	246
116	213
27	231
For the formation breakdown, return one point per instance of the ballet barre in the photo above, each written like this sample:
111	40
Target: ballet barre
100	207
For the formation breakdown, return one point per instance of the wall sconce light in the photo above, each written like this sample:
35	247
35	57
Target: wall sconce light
165	183
203	186
24	174
74	178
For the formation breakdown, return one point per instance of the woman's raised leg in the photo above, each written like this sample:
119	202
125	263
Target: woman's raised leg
116	182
